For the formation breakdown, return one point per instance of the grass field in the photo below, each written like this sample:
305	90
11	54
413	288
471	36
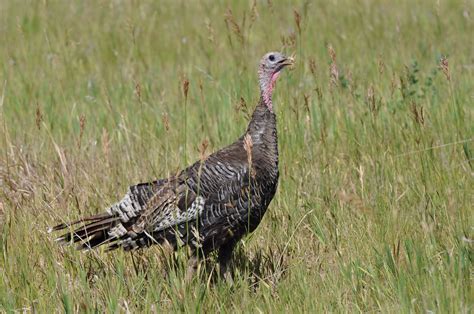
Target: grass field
374	210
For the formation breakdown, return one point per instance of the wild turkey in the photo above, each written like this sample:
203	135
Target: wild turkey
209	205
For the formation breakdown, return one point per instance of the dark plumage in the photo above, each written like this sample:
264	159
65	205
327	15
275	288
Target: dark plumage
209	205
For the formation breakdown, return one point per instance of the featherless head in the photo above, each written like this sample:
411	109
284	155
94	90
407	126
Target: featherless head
270	66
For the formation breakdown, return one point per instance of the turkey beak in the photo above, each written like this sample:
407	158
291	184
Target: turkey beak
288	61
285	62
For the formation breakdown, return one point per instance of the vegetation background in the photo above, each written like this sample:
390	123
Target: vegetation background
374	210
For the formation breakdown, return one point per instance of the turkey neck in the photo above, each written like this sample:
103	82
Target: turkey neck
263	131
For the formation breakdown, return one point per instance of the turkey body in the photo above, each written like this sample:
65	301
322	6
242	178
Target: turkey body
209	205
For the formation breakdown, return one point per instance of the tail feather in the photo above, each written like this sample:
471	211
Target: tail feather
97	239
63	226
103	229
85	232
108	229
90	234
115	227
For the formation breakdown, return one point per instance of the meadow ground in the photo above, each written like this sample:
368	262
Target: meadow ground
374	210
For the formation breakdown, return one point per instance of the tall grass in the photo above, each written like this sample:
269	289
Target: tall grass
374	207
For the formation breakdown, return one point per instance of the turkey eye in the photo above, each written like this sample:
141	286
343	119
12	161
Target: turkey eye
271	58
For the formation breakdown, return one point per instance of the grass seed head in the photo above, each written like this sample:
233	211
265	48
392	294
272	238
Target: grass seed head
444	66
185	88
38	117
297	21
